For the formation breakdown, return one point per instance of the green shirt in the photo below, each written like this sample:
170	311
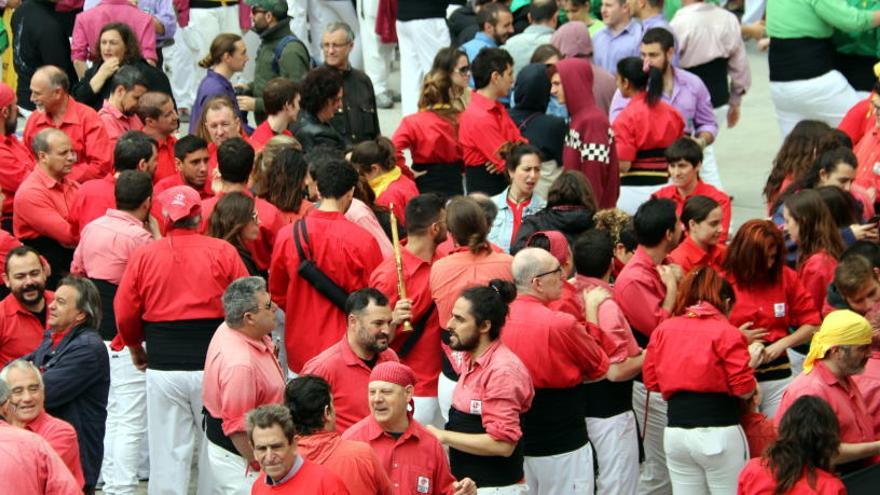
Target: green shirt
865	43
788	19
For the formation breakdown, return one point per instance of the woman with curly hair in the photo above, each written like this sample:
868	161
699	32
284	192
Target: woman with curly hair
794	158
320	100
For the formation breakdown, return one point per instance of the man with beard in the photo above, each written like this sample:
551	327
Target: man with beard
16	161
281	53
24	310
496	26
492	393
418	349
159	117
347	365
838	351
118	112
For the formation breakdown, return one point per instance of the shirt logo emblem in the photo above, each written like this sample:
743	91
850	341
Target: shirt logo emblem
423	485
779	310
477	407
179	200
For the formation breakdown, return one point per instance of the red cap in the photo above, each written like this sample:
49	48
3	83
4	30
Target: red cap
558	244
180	202
7	96
393	372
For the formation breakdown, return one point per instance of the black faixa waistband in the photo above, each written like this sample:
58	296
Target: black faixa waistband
701	410
179	345
486	471
555	422
797	59
210	4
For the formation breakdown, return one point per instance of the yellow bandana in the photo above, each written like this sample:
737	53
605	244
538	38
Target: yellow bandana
380	183
841	327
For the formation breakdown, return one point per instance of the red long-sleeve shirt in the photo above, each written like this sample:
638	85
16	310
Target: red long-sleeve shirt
702	189
639	292
92	201
429	138
42	208
271	222
20	330
16	162
482	128
816	273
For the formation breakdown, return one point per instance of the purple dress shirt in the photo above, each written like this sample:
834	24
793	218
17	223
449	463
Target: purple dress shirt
689	96
212	85
609	48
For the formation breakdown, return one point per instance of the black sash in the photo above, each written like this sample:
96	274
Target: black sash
714	76
486	471
778	369
606	399
797	59
311	273
214	431
179	345
107	291
648	169
418	331
443	179
702	409
555	422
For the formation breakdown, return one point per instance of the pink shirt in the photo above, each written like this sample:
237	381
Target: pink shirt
92	200
617	337
62	437
241	374
869	385
87	29
116	123
497	386
639	292
31	466
106	245
362	215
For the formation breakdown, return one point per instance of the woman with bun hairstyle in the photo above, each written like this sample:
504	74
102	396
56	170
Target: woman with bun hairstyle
492	393
431	136
642	131
227	55
703	222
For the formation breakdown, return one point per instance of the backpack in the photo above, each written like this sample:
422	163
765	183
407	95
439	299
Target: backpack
279	49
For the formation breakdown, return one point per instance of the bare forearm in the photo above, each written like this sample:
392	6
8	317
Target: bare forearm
80	67
239	439
477	444
626	370
854	451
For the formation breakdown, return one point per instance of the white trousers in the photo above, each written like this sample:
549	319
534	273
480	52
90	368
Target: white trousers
445	388
550	171
754	11
377	55
631	197
204	26
298	11
705	460
174	409
126	424
797	362
570	473
180	65
826	98
428	411
616	441
654	479
504	490
322	13
419	41
229	471
771	395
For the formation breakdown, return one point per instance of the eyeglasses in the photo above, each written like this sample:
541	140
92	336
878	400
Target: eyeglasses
558	270
464	70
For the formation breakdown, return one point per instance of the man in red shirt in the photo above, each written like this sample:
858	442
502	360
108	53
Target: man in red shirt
272	434
26	409
191	159
156	111
347	365
118	110
420	348
241	373
485	126
16	161
133	151
93	152
343	251
170	298
411	455
838	351
235	159
310	402
41	215
646	291
684	158
23	311
281	101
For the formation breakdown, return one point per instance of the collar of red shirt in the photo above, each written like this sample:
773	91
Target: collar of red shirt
263	344
352	359
692	246
46	181
113	111
57	337
702	310
483	360
327	215
71	115
37	424
173	232
529	299
124	215
13	306
412	263
830	379
584	282
482	103
375	430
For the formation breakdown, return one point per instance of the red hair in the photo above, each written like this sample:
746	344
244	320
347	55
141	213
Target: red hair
749	259
703	284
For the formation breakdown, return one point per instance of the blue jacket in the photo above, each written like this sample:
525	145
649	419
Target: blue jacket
502	227
76	375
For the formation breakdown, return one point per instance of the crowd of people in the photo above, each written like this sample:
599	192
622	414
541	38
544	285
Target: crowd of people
532	284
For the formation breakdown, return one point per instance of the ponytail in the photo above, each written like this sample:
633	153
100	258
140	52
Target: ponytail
642	77
655	86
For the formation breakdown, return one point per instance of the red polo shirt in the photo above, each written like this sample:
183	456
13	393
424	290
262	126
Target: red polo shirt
42	208
166	166
757	479
616	335
355	463
178	180
398	193
497	386
349	379
702	189
7	243
241	374
62	437
263	133
816	273
689	256
718	356
20	331
639	292
776	307
416	461
844	397
346	253
311	478
271	222
869	385
482	128
92	201
30	465
179	277
556	349
116	123
94	150
16	162
430	139
425	356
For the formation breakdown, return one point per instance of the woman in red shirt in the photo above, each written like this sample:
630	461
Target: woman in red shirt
770	300
703	218
794	158
375	161
431	136
811	227
642	131
799	462
283	179
704	444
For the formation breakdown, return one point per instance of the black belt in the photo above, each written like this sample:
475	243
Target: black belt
210	4
714	76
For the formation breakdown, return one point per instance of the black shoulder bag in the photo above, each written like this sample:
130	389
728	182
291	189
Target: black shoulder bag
310	272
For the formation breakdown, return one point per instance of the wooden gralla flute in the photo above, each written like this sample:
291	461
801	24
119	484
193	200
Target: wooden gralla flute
398	261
